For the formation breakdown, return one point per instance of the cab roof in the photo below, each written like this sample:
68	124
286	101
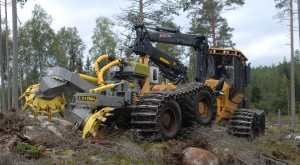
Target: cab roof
228	52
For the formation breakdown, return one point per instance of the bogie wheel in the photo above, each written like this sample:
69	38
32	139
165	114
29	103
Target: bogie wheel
204	108
170	119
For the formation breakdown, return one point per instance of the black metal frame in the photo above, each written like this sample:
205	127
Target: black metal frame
171	67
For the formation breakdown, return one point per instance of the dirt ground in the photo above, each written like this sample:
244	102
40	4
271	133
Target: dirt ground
24	140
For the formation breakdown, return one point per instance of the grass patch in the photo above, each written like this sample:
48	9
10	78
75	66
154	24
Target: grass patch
29	151
282	150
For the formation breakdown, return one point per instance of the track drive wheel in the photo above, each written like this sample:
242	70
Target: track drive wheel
204	108
170	119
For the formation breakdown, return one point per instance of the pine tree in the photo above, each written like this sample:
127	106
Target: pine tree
206	19
104	40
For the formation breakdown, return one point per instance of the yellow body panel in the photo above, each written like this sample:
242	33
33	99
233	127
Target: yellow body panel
41	105
93	123
225	106
228	52
163	87
146	88
144	60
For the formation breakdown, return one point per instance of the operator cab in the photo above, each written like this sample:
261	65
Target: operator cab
230	64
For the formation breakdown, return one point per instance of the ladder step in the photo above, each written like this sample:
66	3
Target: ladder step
143	122
240	121
243	113
146	130
241	117
147	106
143	114
240	133
240	127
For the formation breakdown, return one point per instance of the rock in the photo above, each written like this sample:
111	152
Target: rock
45	124
226	153
197	156
28	128
54	130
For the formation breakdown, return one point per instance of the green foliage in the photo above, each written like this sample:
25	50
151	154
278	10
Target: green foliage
154	12
38	46
256	94
150	12
73	47
88	66
192	59
21	2
269	89
206	19
4	57
279	4
104	40
283	9
29	151
172	50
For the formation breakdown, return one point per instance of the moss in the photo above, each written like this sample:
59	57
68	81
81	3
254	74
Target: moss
29	151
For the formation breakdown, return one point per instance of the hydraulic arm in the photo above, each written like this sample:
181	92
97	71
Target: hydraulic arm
171	67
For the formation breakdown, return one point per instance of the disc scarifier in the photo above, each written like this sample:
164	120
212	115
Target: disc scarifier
38	105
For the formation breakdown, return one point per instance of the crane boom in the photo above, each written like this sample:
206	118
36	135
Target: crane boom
171	67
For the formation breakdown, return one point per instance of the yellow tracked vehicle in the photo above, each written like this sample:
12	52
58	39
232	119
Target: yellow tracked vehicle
155	111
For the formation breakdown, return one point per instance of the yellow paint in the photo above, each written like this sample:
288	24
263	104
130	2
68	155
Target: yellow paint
93	123
102	88
131	85
164	60
146	87
105	68
163	87
225	106
96	65
88	78
228	52
41	105
144	60
87	98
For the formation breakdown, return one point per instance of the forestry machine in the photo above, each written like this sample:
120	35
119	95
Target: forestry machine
155	111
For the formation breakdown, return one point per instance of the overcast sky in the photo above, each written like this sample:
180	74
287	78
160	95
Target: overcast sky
256	34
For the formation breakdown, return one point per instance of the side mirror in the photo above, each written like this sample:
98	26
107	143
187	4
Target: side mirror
154	71
155	75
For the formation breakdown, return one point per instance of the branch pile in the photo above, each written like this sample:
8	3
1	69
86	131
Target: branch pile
12	130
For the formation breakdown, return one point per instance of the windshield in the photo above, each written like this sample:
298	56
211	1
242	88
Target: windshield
220	66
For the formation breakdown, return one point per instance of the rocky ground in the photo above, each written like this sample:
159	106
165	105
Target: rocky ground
24	140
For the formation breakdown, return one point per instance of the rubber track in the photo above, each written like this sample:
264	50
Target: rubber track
145	117
247	123
187	105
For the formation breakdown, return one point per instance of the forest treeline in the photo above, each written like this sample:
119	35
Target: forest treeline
270	90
